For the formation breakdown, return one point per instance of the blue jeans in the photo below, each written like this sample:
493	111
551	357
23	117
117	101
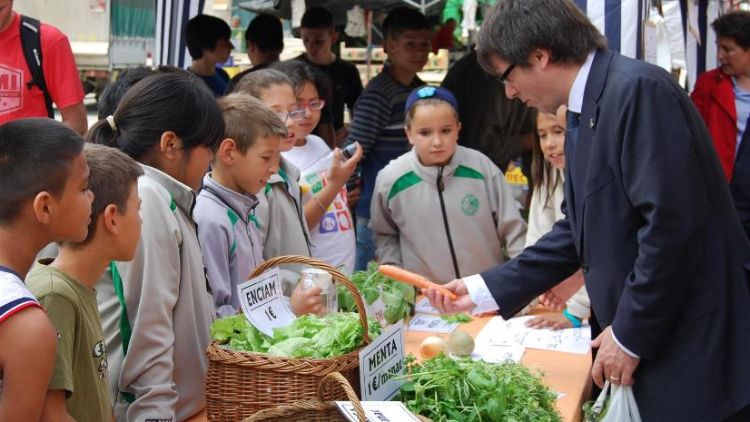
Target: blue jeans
365	244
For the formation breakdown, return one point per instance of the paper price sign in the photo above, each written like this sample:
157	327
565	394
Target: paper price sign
424	307
431	324
263	303
377	411
380	362
376	311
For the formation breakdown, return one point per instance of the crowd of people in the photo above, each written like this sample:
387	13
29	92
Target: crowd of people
120	244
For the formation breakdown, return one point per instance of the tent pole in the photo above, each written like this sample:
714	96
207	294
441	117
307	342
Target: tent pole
368	51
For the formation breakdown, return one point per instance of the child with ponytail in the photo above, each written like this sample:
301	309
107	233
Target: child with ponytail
156	309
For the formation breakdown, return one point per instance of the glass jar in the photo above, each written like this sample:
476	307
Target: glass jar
314	277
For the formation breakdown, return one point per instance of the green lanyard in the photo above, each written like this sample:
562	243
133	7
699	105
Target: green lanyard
125	330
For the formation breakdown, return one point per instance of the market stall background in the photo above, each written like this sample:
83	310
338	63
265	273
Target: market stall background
675	34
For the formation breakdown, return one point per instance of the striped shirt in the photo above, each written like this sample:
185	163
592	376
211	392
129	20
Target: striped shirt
14	296
378	126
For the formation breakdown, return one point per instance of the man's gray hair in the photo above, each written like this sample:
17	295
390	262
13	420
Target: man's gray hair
515	27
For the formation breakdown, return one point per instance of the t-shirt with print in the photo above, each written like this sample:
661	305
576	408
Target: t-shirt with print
333	239
17	101
81	362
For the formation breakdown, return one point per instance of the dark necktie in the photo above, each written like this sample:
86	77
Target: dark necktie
571	139
571	142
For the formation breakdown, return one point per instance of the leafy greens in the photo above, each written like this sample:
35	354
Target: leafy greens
464	390
309	336
461	318
397	297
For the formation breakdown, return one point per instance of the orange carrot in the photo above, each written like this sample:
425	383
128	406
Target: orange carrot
416	280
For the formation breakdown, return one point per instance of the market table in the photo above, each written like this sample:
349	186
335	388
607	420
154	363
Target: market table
566	373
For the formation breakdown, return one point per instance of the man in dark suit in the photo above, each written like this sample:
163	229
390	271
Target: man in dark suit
649	219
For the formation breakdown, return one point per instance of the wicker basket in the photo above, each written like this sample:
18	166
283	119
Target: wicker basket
240	384
321	409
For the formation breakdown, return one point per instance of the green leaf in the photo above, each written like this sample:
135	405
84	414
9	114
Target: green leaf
222	330
408	292
391	299
392	314
346	300
370	295
457	318
407	387
297	347
255	338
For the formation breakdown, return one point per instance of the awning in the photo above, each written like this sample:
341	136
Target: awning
171	18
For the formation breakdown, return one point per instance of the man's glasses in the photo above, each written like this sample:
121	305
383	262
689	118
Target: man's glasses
297	115
504	77
313	104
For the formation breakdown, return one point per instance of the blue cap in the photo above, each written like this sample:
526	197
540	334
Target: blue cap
427	92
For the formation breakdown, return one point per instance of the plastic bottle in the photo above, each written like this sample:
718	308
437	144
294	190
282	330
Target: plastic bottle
324	162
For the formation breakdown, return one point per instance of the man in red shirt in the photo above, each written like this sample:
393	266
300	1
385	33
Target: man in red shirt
17	100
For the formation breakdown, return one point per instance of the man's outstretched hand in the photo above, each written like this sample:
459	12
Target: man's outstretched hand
444	304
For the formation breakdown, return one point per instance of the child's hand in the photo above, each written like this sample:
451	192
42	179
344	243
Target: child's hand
551	321
307	301
340	171
551	301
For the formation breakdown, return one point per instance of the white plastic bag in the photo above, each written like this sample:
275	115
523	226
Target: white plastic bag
620	407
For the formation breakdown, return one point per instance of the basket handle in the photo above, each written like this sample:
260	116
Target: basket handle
336	380
290	411
338	276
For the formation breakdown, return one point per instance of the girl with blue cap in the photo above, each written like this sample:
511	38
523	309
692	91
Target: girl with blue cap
442	210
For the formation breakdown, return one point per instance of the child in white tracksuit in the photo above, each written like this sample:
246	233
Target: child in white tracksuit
442	210
156	310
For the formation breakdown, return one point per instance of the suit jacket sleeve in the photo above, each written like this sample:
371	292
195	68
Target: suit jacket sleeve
538	268
664	182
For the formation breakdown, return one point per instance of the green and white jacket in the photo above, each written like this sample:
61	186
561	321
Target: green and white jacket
280	215
445	222
156	310
282	221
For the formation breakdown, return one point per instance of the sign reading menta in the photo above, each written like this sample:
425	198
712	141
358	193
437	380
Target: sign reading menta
379	364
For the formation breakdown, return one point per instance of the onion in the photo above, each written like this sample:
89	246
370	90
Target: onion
432	346
461	343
